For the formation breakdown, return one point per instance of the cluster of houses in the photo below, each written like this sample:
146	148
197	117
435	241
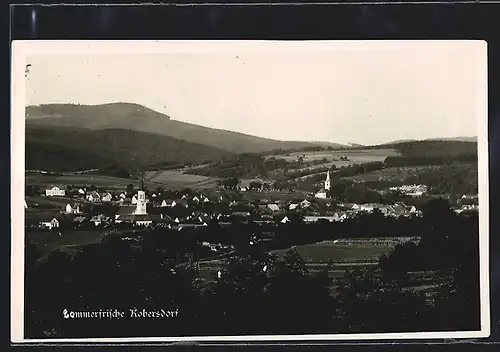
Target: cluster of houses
194	210
410	190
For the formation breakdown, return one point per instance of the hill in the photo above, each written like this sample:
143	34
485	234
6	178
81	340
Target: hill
58	148
456	139
450	139
429	148
434	148
136	117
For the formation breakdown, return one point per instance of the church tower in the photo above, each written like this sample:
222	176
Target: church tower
327	182
141	201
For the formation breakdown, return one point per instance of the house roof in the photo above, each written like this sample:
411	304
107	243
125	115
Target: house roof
241	213
181	202
273	207
133	217
99	217
58	186
79	219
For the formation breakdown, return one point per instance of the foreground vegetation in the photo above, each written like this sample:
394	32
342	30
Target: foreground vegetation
259	293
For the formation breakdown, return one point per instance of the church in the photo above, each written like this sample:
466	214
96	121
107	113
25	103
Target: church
136	214
323	193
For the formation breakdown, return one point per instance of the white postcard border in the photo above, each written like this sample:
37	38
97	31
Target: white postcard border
23	49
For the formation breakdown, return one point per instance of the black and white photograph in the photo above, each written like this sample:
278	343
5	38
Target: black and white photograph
249	190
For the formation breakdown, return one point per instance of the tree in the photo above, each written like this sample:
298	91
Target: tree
230	182
130	189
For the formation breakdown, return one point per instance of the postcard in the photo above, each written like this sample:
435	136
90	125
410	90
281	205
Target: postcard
249	191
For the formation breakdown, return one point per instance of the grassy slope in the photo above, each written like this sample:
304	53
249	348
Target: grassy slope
138	118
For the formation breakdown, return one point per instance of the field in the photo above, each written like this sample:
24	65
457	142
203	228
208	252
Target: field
107	182
346	257
355	156
176	179
70	242
322	252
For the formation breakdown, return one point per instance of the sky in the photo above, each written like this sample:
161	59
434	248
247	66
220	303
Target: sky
351	95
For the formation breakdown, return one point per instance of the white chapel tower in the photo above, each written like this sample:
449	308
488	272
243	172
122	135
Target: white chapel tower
327	182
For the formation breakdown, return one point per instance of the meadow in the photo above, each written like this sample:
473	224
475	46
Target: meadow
176	179
69	241
354	156
323	252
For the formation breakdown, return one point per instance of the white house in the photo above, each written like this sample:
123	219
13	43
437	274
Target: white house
81	191
93	197
293	206
73	209
54	223
168	203
305	203
321	194
356	207
134	199
285	220
106	197
55	191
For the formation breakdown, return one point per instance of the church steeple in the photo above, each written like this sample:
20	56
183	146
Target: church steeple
327	182
141	208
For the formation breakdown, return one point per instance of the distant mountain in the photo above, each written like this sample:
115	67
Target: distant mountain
128	116
57	148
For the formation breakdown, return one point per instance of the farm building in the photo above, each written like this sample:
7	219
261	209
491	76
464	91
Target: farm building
93	197
73	209
305	204
100	220
168	203
55	191
79	220
107	197
49	224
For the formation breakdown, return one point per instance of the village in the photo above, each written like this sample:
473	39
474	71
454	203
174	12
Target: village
178	210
